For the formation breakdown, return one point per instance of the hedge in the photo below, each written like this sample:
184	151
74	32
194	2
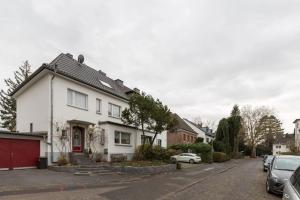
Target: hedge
219	157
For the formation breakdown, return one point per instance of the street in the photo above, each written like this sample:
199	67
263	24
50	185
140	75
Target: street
233	180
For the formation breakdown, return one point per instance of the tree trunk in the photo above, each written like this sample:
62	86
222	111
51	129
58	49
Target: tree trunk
253	153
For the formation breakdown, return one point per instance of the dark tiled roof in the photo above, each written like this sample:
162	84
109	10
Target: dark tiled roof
71	68
285	139
181	124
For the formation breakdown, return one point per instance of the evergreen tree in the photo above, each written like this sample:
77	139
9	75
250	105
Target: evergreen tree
8	103
235	124
222	135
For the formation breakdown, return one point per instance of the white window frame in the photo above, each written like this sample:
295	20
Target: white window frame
111	110
159	142
73	99
98	106
120	133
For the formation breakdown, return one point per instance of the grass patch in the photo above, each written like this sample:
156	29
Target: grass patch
140	163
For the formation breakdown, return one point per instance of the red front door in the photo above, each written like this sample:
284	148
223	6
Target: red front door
19	153
78	139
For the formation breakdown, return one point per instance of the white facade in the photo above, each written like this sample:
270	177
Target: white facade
280	148
34	112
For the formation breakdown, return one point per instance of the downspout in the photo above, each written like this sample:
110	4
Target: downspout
51	113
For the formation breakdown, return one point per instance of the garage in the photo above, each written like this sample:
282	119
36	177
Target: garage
19	150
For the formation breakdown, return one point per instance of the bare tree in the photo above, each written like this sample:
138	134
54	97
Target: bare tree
251	121
205	123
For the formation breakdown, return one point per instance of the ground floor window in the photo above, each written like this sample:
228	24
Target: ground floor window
159	142
146	138
122	137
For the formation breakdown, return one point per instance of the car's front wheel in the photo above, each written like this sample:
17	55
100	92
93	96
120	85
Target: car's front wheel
268	187
192	161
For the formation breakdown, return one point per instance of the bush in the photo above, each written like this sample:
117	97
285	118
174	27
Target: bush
219	157
199	140
219	146
62	160
118	158
153	153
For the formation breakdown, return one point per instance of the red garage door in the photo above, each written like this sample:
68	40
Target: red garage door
19	153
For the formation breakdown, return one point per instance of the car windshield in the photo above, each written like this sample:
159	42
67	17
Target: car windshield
289	164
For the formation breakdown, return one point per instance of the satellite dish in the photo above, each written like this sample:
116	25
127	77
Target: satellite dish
80	58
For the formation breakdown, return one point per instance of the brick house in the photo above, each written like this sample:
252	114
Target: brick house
182	134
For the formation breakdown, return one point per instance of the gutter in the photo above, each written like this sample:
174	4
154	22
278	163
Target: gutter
51	113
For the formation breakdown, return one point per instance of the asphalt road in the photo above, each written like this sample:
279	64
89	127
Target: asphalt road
234	180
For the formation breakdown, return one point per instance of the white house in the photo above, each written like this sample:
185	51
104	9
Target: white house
297	133
283	144
67	98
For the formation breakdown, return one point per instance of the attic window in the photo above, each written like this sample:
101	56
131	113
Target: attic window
105	84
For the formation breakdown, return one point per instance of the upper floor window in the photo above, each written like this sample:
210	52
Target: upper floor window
114	110
77	99
98	106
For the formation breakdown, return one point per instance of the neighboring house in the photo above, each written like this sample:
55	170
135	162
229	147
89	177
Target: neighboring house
283	144
209	134
297	133
197	128
182	133
68	98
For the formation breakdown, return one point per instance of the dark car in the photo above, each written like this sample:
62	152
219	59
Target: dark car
280	170
267	162
292	187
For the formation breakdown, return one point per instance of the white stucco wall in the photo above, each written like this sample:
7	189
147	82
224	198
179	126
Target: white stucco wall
33	107
297	133
280	148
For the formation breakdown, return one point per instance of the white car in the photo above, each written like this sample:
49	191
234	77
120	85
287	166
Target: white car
186	157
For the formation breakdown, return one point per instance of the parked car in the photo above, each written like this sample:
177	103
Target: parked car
187	157
292	187
281	168
267	162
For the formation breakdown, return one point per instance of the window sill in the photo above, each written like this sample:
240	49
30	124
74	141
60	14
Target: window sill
98	113
123	145
77	107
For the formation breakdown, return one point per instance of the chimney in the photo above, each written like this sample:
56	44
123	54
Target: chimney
136	90
80	58
102	73
69	55
119	82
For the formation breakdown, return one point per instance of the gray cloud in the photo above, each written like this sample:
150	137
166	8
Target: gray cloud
199	57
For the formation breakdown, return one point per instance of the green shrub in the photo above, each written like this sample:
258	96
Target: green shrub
153	153
219	157
199	140
219	146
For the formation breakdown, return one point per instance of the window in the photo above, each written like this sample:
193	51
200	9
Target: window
146	138
183	137
77	99
31	128
159	142
98	106
114	110
122	138
207	140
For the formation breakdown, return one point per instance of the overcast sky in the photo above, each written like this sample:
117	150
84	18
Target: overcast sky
198	57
